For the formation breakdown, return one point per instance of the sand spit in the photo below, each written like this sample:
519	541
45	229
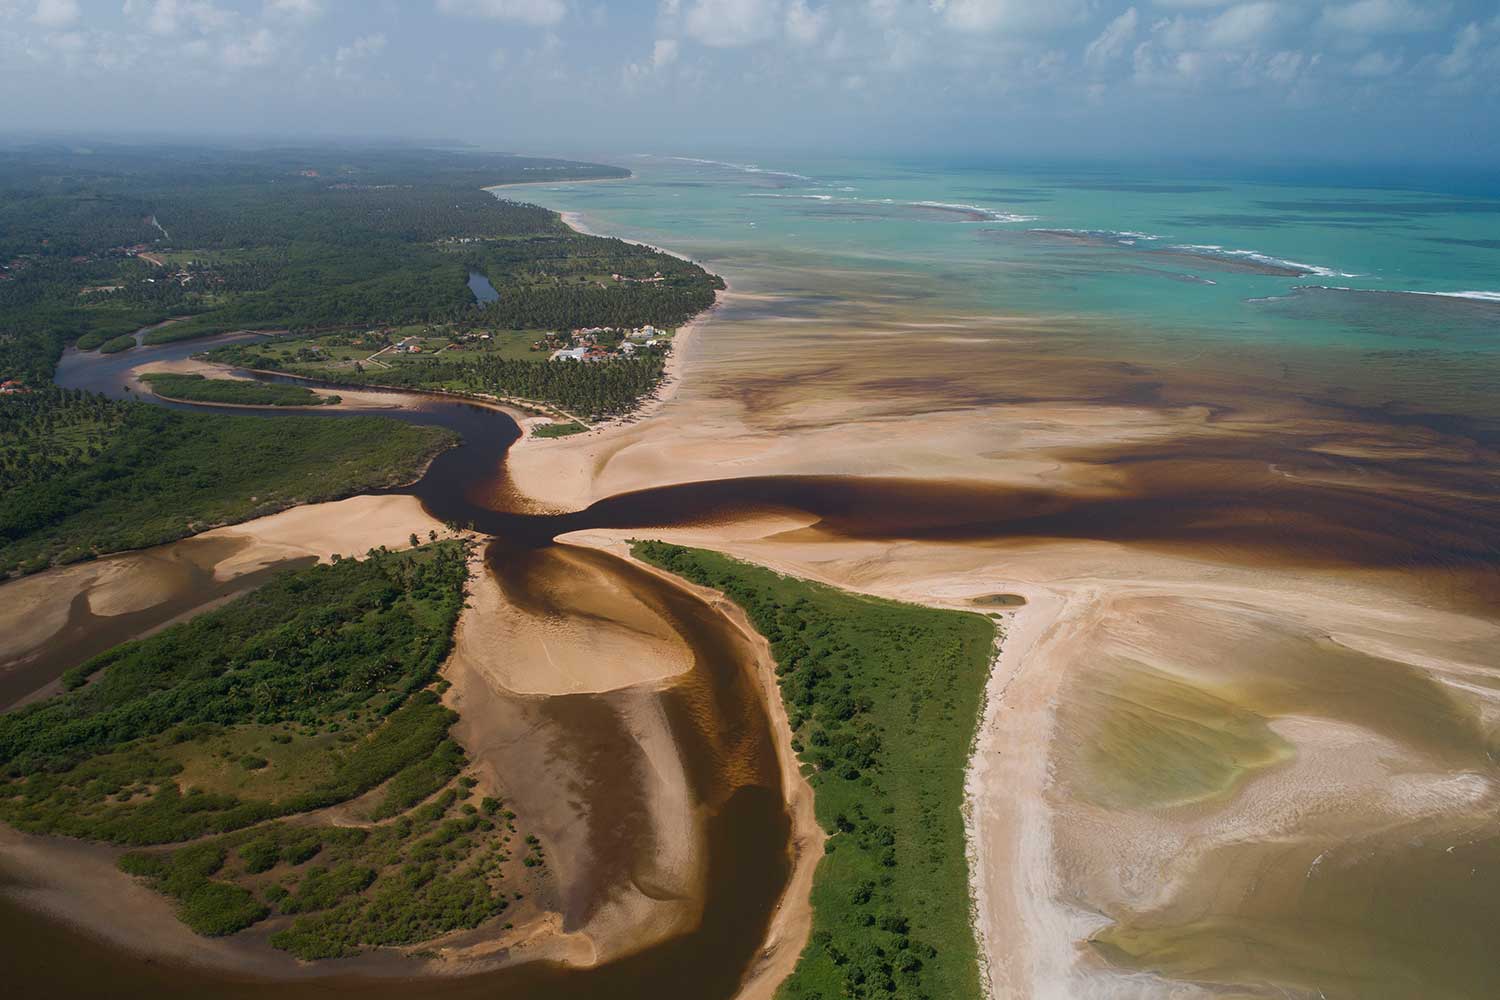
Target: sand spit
507	665
589	634
347	527
79	884
38	607
363	399
791	925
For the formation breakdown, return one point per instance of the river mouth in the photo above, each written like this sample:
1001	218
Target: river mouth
583	767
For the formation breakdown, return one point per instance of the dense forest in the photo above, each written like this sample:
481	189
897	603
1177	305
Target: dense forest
312	690
96	245
883	700
81	475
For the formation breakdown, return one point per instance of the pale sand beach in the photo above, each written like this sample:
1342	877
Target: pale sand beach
38	606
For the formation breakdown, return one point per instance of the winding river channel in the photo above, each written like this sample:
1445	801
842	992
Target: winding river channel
577	747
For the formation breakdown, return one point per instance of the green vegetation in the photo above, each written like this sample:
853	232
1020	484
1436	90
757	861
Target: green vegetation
212	908
592	389
558	430
883	699
440	867
142	754
300	239
562	280
238	391
81	475
309	692
115	345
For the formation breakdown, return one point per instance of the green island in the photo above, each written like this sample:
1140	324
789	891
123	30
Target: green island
239	392
227	734
114	345
463	358
82	475
883	699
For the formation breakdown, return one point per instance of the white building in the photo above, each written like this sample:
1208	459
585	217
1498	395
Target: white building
570	354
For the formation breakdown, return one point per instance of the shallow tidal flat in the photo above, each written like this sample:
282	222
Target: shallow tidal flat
1239	738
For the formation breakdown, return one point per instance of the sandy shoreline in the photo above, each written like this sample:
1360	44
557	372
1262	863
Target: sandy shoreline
791	925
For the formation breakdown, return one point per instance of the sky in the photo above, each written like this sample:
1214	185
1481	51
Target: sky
1269	80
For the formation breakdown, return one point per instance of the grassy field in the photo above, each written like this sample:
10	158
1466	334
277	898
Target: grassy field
237	391
157	476
329	355
558	430
316	688
883	699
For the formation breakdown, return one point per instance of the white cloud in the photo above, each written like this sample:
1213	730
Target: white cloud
363	47
803	24
166	17
1244	25
295	10
1460	59
1285	66
1112	42
55	13
1380	17
256	49
729	23
1375	64
663	53
1013	15
538	12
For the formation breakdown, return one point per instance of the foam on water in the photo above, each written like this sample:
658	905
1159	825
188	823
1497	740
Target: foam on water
1213	250
983	214
748	168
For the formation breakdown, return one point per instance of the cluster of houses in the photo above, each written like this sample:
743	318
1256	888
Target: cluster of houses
413	345
586	346
655	279
11	386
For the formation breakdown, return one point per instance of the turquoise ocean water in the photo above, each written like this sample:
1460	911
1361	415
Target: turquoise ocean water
1195	258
